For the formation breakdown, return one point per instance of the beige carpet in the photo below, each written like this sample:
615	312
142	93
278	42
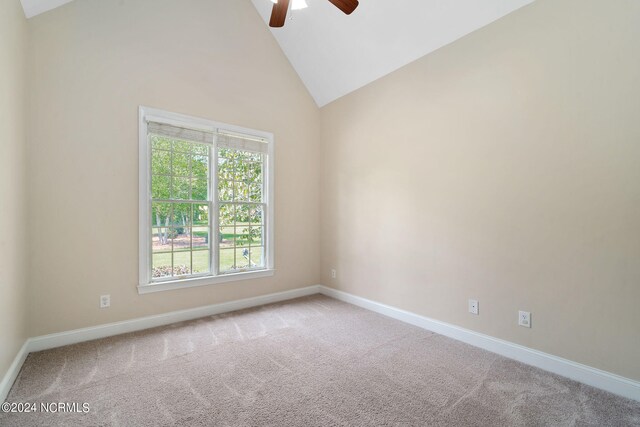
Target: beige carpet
313	361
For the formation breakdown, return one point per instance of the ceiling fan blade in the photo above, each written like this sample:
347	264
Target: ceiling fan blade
279	14
347	6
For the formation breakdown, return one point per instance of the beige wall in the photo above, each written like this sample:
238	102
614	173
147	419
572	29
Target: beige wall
93	62
13	48
503	167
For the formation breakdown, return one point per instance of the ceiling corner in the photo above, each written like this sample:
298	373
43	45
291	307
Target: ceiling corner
36	7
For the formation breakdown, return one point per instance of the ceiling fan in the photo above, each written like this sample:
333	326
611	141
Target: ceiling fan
281	7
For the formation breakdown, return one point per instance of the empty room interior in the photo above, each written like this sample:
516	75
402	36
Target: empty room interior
320	213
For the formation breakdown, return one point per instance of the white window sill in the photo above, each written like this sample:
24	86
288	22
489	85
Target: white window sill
202	281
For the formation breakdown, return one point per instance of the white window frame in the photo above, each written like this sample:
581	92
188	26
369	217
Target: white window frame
145	284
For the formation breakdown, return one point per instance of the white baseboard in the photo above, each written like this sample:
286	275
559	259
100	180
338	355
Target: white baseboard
46	342
585	374
14	370
591	376
87	334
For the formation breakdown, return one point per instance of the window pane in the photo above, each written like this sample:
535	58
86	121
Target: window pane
255	192
200	215
161	214
160	142
181	164
242	214
224	153
255	236
242	236
239	169
181	215
161	265
227	261
182	146
242	258
200	150
160	162
161	187
201	262
200	165
256	256
160	240
225	190
227	214
255	157
255	215
181	263
181	237
200	238
254	171
225	169
227	237
199	189
241	191
181	187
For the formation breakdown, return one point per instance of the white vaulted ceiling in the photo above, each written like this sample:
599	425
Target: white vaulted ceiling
335	54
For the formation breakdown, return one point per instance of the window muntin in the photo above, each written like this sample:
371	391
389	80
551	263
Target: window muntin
207	200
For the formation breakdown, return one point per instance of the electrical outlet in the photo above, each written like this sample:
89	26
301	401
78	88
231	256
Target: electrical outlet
474	307
524	319
333	273
105	301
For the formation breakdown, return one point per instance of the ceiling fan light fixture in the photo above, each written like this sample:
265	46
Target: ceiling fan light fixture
281	7
298	4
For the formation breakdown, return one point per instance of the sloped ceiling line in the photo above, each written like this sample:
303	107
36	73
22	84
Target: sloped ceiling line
335	54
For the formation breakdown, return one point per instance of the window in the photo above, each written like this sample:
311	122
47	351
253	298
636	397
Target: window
206	202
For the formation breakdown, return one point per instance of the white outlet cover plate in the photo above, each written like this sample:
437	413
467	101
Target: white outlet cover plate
524	319
105	301
474	307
